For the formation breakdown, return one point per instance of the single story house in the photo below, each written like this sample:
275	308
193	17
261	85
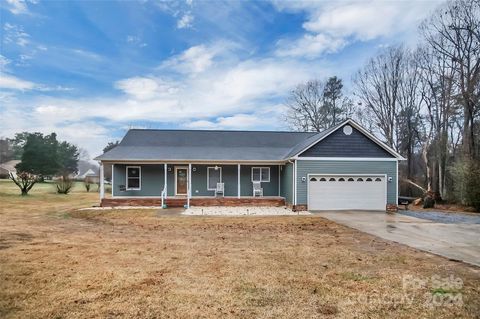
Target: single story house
342	168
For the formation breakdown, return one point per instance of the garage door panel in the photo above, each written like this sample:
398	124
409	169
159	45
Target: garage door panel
328	193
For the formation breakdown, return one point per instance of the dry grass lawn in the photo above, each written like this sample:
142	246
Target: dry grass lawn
57	262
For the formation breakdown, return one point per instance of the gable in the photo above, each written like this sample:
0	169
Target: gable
338	144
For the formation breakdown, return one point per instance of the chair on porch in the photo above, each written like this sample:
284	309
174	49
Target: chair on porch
257	189
220	189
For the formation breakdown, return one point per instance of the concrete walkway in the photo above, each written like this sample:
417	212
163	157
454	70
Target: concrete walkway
454	241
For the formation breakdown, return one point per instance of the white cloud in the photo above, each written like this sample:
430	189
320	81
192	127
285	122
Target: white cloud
331	25
368	20
144	88
4	62
310	46
14	83
186	21
15	34
135	40
179	10
202	124
10	82
196	59
260	119
17	6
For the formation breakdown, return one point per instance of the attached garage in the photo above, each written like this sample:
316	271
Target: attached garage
347	192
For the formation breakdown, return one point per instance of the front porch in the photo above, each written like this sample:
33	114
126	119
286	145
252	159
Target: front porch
193	184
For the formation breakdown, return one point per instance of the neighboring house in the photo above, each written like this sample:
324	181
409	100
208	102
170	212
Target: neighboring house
89	172
344	167
7	168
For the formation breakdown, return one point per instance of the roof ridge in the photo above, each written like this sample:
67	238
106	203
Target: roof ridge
233	131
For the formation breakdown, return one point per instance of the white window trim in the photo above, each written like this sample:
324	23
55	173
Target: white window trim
261	181
139	178
208	177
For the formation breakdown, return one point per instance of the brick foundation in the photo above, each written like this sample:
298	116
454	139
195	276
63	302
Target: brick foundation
392	208
204	201
299	208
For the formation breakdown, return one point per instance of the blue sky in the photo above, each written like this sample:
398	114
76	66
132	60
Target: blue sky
89	70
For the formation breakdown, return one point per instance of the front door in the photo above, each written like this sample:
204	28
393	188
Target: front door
181	178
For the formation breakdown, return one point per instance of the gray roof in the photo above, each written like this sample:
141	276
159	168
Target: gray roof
168	145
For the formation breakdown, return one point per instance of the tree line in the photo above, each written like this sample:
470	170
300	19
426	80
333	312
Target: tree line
423	102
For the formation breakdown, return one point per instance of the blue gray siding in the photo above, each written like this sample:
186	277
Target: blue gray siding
346	167
229	178
269	188
286	181
151	180
338	144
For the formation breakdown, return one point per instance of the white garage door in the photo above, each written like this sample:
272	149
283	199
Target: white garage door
343	192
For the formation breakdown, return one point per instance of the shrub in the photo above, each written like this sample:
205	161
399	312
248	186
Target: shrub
64	185
87	185
24	181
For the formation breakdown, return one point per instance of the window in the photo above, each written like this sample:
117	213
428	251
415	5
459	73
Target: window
378	179
341	179
260	174
323	179
214	176
134	177
351	179
360	179
331	179
313	179
369	179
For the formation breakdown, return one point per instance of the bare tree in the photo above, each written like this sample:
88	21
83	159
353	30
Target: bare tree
454	33
317	105
437	77
378	88
410	102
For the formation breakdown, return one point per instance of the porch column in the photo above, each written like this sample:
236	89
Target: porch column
238	181
102	182
113	170
189	184
279	181
165	172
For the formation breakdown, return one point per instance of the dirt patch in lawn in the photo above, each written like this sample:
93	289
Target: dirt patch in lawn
146	264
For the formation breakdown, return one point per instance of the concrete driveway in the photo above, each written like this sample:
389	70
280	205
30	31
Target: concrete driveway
454	241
